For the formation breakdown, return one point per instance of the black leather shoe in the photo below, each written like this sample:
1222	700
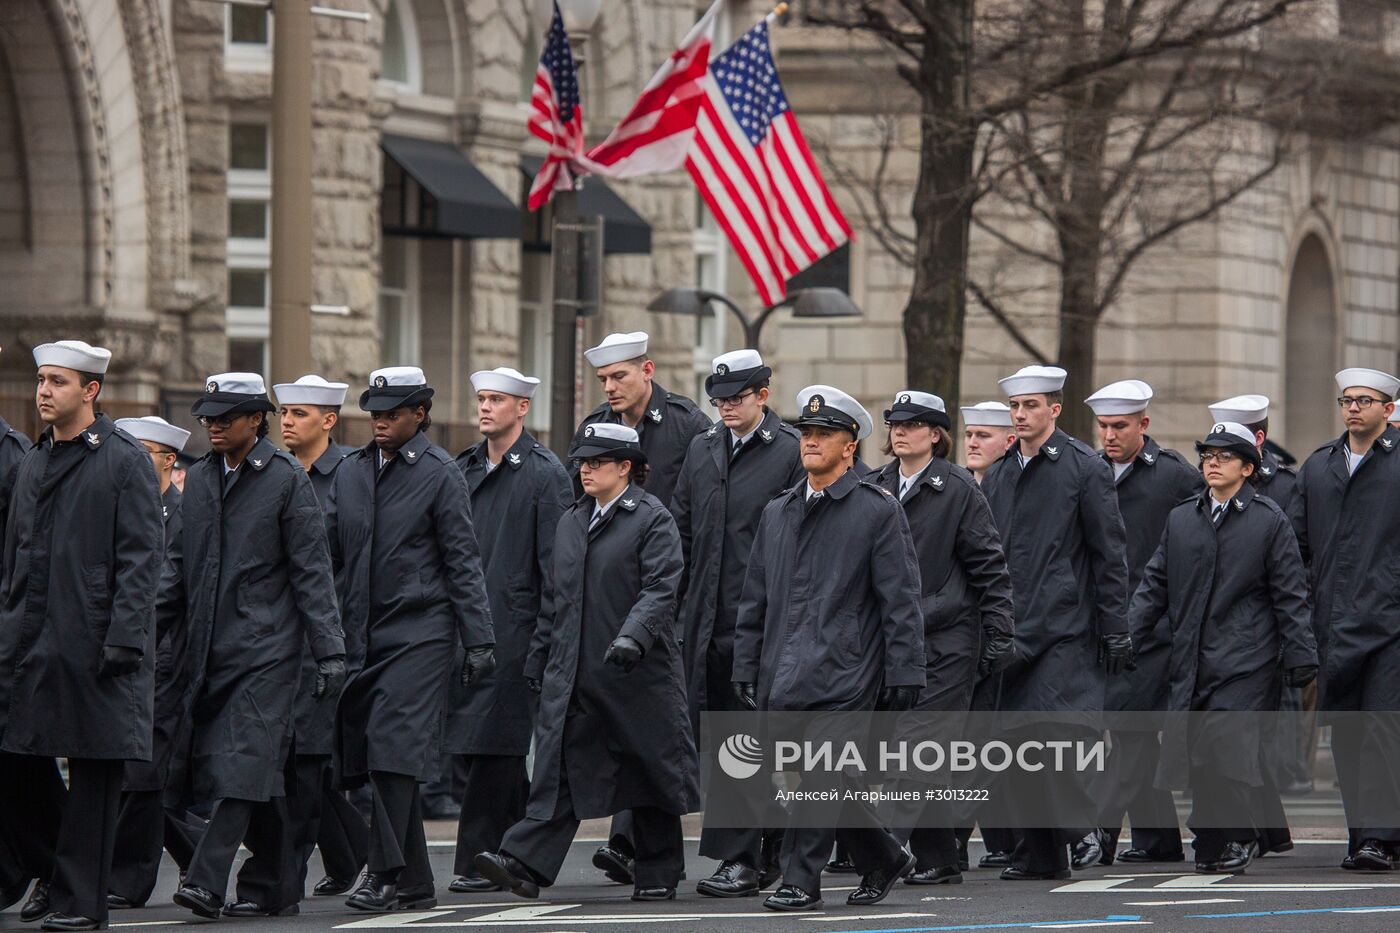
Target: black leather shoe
615	866
332	887
657	893
1236	858
997	858
875	887
841	866
1277	849
1349	862
505	871
1139	856
1087	851
38	904
964	864
117	902
791	897
770	872
731	879
374	894
1020	874
948	874
420	898
472	884
198	901
254	909
1207	868
1372	856
67	923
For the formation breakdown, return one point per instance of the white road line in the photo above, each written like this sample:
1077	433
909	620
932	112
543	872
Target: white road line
1092	923
1092	884
1203	900
149	923
1193	882
527	912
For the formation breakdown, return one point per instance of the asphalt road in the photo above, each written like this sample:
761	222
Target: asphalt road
1298	891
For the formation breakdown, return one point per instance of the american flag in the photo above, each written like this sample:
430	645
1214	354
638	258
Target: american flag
556	115
755	172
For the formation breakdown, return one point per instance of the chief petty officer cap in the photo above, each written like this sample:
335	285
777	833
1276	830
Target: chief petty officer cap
1231	435
73	354
311	390
395	387
1384	383
912	405
733	372
987	414
232	394
1242	409
156	430
605	441
1121	398
504	379
1033	380
829	407
617	348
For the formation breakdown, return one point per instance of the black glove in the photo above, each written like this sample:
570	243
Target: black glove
998	650
746	692
534	684
118	662
899	699
480	662
1116	653
330	677
625	652
1302	676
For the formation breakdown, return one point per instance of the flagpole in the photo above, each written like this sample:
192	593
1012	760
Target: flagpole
778	10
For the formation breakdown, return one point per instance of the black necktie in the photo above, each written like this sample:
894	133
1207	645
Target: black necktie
812	501
1219	513
597	518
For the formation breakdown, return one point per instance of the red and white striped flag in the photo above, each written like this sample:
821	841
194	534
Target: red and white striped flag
556	115
755	172
657	131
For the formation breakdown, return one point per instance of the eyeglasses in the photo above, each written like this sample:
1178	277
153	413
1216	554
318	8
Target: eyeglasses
1219	456
731	400
222	421
592	463
1362	402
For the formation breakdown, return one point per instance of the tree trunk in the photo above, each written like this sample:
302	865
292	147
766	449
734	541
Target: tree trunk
1078	325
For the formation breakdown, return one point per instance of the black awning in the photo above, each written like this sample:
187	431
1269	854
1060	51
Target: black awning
448	196
624	230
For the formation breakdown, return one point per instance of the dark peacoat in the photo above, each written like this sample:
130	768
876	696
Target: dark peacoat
624	738
830	608
1349	534
13	446
1066	548
257	586
665	431
718	502
962	572
408	572
83	544
1235	598
1277	481
515	509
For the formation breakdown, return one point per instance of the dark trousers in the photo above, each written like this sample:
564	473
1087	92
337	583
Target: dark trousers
933	846
35	797
145	827
494	791
865	839
1219	806
86	838
267	877
1366	750
1039	797
993	839
1267	807
542	845
319	815
398	849
1129	790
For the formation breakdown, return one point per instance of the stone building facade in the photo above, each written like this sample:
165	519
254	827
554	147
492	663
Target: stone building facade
135	179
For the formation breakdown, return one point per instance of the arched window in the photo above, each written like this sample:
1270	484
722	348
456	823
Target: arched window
401	63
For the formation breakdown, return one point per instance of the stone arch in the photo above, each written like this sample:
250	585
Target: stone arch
432	28
1311	341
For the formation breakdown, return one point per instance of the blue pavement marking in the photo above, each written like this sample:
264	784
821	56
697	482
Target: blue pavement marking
1379	908
1111	918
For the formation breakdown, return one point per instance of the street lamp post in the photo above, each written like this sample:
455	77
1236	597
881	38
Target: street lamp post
805	303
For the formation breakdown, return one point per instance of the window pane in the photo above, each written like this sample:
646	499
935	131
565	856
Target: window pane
390	329
247	288
247	25
247	146
394	66
247	356
247	219
393	271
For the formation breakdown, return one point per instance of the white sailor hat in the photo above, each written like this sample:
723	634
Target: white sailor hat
504	379
1231	435
232	394
987	414
1033	380
1384	383
311	390
395	387
607	441
616	348
1121	398
156	430
913	405
829	407
733	372
1242	409
73	354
